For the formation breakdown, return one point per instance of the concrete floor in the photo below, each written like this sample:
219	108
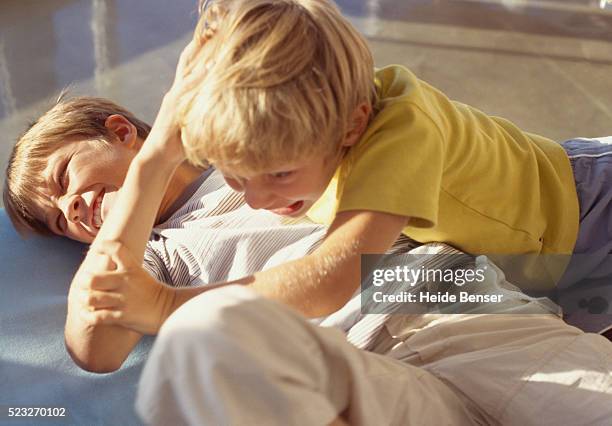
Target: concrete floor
545	64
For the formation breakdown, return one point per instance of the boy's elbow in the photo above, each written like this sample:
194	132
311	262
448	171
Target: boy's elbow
95	365
321	310
328	303
88	361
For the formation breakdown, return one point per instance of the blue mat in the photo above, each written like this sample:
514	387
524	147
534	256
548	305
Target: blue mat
35	369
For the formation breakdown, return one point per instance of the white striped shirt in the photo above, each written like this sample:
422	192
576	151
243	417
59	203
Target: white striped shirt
215	237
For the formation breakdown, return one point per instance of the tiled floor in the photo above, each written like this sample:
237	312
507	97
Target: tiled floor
545	64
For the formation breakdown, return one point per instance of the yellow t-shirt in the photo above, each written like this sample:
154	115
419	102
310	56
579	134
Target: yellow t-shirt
465	178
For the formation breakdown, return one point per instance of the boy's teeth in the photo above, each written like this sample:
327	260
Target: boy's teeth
97	214
97	220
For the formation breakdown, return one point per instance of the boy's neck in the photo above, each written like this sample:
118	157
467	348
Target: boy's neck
184	176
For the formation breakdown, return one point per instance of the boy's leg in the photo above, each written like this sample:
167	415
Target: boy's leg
229	356
520	369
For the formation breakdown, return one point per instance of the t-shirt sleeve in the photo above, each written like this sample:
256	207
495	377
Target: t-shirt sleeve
397	169
154	264
172	264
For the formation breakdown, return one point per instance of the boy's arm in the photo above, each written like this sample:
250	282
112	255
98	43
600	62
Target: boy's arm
133	214
134	211
322	282
99	348
316	285
95	348
104	347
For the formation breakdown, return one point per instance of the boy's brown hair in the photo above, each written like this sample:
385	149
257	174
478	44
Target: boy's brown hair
79	118
283	78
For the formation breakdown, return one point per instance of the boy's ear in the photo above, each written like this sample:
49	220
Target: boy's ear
358	123
122	128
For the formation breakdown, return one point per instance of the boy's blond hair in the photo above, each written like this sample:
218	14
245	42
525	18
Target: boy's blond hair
80	118
283	79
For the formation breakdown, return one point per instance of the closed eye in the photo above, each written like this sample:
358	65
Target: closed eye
64	181
62	176
281	175
58	223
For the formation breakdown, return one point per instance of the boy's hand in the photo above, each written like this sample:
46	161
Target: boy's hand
166	132
111	288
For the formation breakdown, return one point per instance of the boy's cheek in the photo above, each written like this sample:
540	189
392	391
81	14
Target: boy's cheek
107	203
83	238
233	183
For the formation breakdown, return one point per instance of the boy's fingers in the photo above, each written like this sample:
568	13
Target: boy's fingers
103	263
123	258
118	254
192	66
105	246
104	282
96	262
192	79
189	59
102	300
197	74
186	57
98	258
101	317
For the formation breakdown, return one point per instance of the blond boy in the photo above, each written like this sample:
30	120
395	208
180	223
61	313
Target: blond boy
282	97
291	110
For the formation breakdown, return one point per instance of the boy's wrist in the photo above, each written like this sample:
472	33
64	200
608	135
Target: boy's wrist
178	297
168	304
182	295
154	159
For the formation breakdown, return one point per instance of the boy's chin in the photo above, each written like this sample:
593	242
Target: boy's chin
86	239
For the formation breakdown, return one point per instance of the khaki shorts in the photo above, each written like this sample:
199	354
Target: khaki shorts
517	369
231	357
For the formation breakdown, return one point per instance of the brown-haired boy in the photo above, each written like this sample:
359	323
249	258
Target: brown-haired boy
65	170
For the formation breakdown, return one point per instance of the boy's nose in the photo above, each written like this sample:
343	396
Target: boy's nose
75	209
257	198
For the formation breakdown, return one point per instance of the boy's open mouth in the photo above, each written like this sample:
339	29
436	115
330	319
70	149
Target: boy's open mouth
290	210
97	210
